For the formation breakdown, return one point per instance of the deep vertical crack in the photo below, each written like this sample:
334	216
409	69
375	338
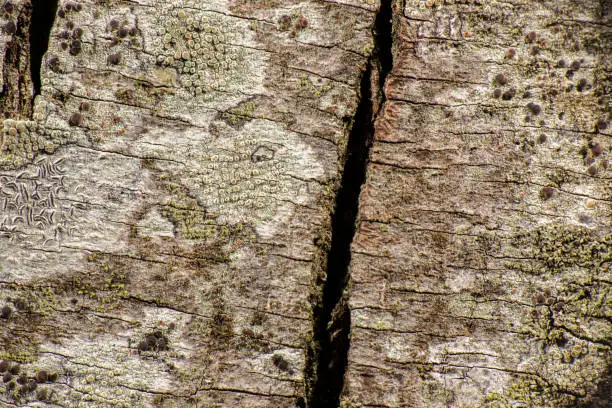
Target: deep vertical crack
328	352
16	92
43	16
332	322
383	42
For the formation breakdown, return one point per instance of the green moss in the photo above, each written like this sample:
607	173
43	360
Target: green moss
305	85
569	317
238	116
104	285
20	350
563	382
189	219
532	392
193	222
553	248
125	95
349	402
494	396
528	392
30	324
435	393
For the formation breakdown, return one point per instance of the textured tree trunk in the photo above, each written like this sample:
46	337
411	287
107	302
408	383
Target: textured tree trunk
480	273
162	193
180	185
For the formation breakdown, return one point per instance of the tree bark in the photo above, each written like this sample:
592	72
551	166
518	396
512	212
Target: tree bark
480	272
180	183
162	195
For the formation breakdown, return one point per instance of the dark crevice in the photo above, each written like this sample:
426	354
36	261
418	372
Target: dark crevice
383	41
16	93
332	315
328	353
43	16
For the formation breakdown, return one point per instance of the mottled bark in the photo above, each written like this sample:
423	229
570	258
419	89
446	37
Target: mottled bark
160	203
480	272
15	80
179	189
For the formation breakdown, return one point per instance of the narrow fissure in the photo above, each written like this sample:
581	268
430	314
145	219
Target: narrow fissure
328	353
16	92
43	16
383	41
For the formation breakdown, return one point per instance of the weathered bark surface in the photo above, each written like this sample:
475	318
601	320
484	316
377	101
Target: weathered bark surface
175	221
161	199
15	82
480	273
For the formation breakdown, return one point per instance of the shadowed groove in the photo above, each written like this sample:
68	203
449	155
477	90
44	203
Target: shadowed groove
328	355
43	17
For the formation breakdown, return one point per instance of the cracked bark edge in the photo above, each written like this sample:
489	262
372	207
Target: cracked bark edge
43	17
327	353
16	93
23	55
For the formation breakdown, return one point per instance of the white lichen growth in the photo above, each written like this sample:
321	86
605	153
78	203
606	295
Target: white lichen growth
199	46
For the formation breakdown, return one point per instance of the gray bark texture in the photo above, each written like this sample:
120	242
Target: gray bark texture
480	272
179	184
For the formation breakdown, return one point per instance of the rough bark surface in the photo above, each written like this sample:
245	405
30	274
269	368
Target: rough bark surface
162	194
480	272
179	189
